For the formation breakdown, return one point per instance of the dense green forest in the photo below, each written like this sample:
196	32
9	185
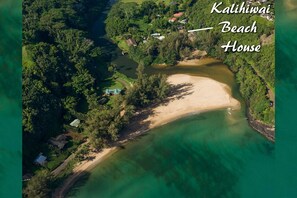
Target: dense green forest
58	67
141	22
131	20
63	80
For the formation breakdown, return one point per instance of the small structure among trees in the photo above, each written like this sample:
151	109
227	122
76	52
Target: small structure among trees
59	141
40	160
27	177
112	91
131	42
75	123
179	14
172	20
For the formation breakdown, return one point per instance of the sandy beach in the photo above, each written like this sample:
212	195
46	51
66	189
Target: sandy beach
189	95
197	94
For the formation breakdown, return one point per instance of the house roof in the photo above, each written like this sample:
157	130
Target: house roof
59	141
161	38
61	137
173	19
184	21
113	91
131	42
179	14
59	144
40	159
75	123
155	34
27	177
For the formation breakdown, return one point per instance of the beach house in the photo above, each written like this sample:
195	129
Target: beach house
75	123
172	20
40	159
155	34
59	141
131	42
179	14
112	91
184	21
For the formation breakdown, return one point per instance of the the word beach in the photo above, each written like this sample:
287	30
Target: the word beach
226	26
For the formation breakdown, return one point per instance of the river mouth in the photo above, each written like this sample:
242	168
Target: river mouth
208	67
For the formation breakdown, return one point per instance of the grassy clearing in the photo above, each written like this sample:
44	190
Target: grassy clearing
121	43
123	77
262	21
111	83
142	26
117	81
26	59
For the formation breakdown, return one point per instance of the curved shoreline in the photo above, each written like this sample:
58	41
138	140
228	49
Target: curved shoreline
189	95
191	62
264	129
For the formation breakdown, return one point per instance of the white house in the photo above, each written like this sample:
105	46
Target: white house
155	34
183	21
75	123
161	38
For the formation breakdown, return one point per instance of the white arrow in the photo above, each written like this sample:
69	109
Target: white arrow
197	30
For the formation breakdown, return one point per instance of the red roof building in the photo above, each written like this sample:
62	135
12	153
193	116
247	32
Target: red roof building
172	20
131	42
179	14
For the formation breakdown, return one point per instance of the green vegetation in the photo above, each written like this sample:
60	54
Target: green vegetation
59	70
39	186
59	73
139	21
26	58
65	74
103	124
129	1
254	71
147	89
121	44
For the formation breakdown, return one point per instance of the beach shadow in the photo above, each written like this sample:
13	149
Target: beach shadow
179	88
179	91
139	123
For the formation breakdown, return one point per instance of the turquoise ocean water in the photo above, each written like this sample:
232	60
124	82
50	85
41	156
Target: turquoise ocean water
10	99
209	155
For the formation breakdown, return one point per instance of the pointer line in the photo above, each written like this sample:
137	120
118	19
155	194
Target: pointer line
197	30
